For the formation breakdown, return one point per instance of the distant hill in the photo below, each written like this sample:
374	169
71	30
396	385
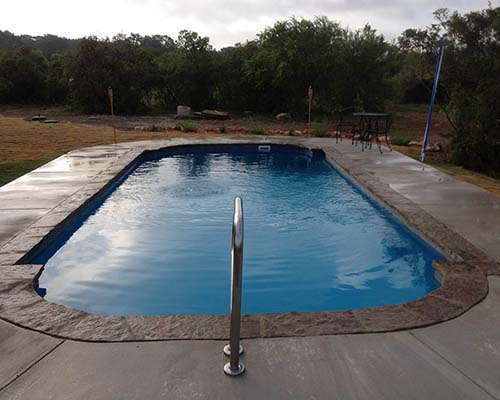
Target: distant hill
48	43
51	44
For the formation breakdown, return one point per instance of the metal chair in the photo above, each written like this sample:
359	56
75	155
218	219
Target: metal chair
360	133
378	130
342	124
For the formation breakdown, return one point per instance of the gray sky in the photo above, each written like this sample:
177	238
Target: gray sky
225	21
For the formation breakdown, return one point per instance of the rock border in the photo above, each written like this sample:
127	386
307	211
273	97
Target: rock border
464	276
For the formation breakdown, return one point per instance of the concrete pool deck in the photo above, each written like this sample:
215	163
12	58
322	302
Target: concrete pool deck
456	359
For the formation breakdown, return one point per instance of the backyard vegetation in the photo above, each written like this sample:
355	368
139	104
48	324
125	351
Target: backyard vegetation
348	69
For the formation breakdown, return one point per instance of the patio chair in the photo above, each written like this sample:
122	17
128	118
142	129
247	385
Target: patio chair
359	134
382	129
342	123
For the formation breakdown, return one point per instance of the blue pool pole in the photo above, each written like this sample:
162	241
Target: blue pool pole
433	98
234	367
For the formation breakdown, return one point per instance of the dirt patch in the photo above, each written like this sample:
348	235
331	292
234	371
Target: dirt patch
410	125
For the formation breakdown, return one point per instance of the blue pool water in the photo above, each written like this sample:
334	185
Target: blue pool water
159	242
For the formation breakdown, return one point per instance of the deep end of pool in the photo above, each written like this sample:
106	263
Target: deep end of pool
157	242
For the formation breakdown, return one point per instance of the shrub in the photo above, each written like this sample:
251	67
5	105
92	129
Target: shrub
476	145
256	130
186	126
319	130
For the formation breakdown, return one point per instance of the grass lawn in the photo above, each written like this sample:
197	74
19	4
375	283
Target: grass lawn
12	170
25	145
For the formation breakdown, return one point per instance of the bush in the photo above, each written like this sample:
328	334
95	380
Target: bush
186	126
320	133
476	145
319	130
256	130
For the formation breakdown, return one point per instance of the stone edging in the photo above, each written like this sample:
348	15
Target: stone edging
464	281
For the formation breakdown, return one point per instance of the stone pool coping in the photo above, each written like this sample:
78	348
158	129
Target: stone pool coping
463	276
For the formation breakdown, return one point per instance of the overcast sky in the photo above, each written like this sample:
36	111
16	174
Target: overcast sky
225	21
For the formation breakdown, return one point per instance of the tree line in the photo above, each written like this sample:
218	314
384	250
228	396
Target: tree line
148	73
347	68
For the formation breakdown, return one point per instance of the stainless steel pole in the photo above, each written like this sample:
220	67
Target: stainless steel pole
234	367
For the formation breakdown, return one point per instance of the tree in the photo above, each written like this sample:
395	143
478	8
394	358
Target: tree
233	90
341	65
469	77
128	68
187	73
58	78
22	76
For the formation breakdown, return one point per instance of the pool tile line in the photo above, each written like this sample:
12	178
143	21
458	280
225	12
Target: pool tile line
464	282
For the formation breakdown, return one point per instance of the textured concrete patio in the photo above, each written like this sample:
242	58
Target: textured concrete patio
454	360
458	359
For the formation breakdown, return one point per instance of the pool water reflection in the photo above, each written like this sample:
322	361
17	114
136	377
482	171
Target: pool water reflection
159	243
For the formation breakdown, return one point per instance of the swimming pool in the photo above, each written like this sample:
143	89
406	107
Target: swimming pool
158	243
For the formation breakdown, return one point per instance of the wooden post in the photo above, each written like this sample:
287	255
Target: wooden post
310	95
110	95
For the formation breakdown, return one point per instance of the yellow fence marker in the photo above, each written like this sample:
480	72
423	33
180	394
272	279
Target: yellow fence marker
110	95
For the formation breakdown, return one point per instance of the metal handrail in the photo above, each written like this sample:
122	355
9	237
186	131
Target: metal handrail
234	367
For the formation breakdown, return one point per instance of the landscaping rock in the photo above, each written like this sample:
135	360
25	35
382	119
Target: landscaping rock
183	112
283	117
215	114
155	128
434	148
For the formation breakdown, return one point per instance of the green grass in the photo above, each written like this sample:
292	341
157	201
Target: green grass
13	170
